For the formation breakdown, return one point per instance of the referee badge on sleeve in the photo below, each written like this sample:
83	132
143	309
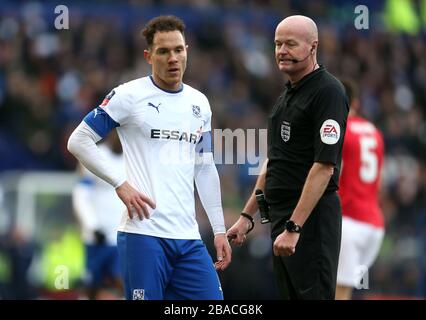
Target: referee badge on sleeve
285	131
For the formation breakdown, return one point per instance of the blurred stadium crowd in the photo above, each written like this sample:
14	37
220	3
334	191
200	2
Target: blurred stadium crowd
49	79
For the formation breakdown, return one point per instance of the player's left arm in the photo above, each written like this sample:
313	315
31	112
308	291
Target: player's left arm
208	186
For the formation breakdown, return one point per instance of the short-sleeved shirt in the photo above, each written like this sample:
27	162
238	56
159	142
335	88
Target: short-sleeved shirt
160	133
307	125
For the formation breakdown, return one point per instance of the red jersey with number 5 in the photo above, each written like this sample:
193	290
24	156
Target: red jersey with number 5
362	161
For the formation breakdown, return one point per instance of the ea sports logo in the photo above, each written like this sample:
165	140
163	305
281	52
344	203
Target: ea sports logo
330	132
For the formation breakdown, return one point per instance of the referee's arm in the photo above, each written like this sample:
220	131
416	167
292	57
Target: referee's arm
316	183
238	231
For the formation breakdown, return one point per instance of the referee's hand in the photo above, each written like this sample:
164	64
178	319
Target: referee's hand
285	243
237	233
134	201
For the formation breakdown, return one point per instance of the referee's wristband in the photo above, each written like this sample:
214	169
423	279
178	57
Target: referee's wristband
250	218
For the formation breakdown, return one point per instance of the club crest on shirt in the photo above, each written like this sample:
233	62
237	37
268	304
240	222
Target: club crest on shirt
285	131
196	111
138	294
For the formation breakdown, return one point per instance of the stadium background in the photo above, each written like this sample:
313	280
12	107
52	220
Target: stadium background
49	79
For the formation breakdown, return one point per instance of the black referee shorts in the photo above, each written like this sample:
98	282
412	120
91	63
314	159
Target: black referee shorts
311	272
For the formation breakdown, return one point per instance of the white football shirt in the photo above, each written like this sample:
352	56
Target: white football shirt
159	131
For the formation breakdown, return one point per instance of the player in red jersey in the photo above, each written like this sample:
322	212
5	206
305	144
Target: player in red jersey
363	223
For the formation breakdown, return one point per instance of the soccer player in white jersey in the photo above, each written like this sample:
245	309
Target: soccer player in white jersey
99	212
164	127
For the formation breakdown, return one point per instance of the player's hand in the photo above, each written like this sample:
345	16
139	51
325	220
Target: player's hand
134	201
223	252
237	233
285	243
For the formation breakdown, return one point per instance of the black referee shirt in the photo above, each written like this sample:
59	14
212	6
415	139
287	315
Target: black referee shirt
307	125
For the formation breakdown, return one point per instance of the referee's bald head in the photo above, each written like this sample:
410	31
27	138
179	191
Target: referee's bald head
302	26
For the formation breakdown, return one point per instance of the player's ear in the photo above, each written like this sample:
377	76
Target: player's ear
147	55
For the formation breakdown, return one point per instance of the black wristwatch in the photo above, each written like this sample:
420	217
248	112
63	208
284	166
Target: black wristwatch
291	226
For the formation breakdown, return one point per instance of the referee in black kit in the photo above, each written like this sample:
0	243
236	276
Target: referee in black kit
300	178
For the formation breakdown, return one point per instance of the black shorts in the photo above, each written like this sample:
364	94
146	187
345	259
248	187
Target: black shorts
311	272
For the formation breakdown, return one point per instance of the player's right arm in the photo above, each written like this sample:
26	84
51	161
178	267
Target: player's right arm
82	200
82	144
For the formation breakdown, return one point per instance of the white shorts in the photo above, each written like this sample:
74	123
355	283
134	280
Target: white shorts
360	245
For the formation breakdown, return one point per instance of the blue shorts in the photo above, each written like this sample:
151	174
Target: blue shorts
171	269
101	263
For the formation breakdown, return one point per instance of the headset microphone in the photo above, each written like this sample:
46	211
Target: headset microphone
297	61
